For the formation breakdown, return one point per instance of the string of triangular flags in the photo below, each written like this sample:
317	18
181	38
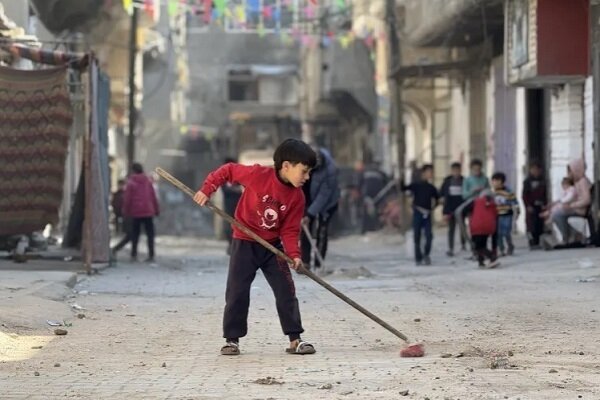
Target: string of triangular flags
281	18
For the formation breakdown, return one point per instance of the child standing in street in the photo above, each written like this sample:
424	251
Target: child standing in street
451	192
117	206
535	200
473	185
476	182
425	199
483	226
507	206
272	206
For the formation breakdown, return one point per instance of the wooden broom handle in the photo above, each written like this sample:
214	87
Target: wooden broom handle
302	270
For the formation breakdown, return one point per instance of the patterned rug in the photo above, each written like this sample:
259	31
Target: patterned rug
35	117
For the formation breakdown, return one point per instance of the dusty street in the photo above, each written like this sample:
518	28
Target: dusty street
528	330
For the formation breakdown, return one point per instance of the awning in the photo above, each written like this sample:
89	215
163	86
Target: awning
430	70
264	69
73	60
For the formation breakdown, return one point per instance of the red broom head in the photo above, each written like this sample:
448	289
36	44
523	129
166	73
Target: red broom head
414	350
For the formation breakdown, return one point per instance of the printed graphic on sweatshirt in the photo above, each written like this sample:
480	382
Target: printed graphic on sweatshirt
268	212
455	190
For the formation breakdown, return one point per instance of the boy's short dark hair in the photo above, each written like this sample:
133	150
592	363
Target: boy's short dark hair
228	160
137	168
476	163
456	165
296	152
535	163
499	176
427	167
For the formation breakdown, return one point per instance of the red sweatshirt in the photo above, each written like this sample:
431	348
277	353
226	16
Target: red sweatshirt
269	207
483	219
139	199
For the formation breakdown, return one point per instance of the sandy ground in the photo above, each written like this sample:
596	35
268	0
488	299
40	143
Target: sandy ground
527	330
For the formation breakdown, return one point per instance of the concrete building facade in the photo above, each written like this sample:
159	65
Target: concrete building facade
510	88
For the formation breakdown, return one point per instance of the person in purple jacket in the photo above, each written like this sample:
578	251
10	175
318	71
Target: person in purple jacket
141	205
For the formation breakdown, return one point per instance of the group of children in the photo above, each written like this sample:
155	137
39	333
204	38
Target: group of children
490	211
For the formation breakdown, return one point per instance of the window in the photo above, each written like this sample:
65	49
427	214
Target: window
277	90
246	86
243	86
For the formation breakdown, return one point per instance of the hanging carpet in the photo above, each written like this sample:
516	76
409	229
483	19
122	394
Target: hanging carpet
35	117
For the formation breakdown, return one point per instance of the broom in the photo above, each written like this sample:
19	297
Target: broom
413	350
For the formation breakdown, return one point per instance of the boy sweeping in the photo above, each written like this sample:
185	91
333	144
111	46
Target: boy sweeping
272	206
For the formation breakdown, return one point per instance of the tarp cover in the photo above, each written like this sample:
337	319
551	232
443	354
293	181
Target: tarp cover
66	15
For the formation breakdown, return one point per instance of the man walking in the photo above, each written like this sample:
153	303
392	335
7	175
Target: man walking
322	194
141	205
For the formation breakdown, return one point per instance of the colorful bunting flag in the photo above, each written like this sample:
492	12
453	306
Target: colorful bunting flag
172	8
284	37
149	7
213	11
268	12
253	6
220	6
260	29
240	15
207	11
127	5
309	11
306	40
346	40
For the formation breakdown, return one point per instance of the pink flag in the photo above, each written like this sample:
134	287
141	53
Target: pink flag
207	11
268	12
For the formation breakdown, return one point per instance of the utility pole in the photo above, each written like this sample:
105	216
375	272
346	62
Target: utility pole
133	48
595	56
396	105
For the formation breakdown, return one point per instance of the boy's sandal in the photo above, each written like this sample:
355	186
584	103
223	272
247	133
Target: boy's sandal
301	348
230	349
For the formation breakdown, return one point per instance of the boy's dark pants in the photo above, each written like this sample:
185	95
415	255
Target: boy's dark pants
246	258
422	222
452	225
535	225
480	243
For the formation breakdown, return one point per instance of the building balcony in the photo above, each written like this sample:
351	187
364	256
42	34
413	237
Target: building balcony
453	23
